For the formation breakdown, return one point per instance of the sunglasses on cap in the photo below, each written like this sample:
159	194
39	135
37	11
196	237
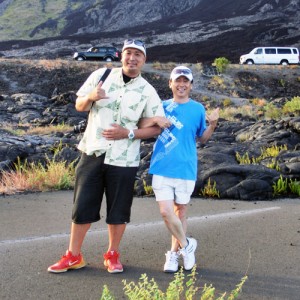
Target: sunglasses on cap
135	42
182	71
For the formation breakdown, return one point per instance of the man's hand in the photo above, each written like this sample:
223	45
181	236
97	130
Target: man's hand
116	132
162	122
84	103
97	93
213	118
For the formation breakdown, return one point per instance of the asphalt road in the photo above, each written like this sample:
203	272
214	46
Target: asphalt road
259	238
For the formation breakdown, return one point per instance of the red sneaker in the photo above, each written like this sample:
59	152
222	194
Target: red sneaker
67	262
112	263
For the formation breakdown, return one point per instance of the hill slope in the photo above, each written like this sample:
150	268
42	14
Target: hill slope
200	29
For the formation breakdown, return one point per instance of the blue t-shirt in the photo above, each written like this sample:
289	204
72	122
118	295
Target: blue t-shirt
175	153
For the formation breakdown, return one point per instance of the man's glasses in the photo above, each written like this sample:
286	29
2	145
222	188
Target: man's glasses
136	42
182	71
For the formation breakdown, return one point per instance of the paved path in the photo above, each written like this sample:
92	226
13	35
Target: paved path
261	238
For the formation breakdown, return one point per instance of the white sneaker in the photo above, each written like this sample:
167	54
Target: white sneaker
171	264
188	254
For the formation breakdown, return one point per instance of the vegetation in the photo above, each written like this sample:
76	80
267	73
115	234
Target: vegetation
284	186
33	14
55	175
280	187
148	189
266	152
258	109
164	66
292	106
221	63
23	129
179	288
210	190
272	112
227	102
294	187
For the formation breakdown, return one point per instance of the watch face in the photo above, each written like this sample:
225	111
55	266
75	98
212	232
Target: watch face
131	134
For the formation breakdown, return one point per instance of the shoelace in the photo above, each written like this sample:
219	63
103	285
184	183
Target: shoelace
111	256
173	258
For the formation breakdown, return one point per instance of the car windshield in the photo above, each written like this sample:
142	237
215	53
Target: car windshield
258	51
90	49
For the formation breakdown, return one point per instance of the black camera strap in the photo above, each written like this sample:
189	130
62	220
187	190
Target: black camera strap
103	78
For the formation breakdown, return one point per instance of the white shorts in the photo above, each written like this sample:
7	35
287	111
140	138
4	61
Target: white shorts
166	188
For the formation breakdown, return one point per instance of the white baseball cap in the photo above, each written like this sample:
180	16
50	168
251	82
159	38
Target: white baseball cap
136	44
181	71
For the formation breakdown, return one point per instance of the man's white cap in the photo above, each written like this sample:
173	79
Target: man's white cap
181	71
136	44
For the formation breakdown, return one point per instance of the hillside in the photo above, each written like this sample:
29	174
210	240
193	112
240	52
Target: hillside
180	31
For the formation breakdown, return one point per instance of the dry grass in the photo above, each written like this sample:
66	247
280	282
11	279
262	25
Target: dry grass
164	66
29	129
230	112
36	177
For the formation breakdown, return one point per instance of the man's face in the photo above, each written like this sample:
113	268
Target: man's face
181	87
132	61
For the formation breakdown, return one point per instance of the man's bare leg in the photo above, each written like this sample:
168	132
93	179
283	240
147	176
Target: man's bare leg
78	232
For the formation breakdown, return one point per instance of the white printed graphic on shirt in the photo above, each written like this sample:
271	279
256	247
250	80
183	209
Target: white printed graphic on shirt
167	138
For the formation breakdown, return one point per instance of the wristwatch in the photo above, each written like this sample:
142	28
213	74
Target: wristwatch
131	134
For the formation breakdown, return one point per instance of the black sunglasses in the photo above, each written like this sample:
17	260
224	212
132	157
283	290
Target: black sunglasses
136	42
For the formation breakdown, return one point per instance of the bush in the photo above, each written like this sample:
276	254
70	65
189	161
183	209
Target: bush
56	175
179	288
221	63
292	106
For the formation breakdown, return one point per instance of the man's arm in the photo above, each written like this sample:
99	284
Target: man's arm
84	103
147	133
117	132
162	122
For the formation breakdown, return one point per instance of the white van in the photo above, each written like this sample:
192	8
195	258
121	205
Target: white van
271	55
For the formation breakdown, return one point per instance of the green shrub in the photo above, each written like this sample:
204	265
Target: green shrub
147	188
210	190
280	187
282	82
244	159
272	151
284	186
272	112
227	102
266	152
294	187
179	288
221	64
292	106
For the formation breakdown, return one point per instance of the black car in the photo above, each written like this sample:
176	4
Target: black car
99	53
